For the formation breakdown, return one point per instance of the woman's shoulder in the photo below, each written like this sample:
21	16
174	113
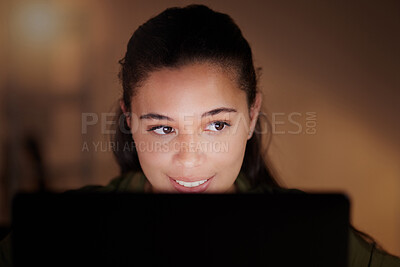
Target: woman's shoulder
364	253
5	251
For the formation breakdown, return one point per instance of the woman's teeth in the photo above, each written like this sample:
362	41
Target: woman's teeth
191	184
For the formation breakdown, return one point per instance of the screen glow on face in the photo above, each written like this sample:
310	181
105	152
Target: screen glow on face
190	126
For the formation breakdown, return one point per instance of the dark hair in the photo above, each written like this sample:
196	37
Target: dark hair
180	36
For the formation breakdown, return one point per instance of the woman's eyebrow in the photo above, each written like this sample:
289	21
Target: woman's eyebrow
217	111
156	116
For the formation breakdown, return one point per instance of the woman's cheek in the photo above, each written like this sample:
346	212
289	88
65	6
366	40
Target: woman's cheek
228	151
153	153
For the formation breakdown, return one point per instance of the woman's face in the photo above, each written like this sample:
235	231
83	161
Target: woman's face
190	126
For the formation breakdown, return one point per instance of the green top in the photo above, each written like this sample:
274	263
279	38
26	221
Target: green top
361	253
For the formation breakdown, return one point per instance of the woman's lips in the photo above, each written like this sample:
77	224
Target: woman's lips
194	189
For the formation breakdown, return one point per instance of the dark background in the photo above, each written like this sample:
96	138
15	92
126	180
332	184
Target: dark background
336	59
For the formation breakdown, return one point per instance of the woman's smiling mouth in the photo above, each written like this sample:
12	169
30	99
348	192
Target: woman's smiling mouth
189	184
190	187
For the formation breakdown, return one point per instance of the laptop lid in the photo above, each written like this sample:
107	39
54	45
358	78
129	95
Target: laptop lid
122	229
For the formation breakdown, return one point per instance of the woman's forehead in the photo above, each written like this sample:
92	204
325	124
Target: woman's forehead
191	88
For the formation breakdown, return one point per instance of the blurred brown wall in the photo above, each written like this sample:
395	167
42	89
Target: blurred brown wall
338	60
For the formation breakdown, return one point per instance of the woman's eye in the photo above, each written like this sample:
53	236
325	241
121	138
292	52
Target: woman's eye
162	130
217	126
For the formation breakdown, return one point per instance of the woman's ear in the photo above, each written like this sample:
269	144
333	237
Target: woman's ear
125	112
254	111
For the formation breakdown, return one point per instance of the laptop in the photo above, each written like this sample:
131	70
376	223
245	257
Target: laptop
126	229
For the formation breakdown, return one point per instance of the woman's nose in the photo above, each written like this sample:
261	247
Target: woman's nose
189	151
